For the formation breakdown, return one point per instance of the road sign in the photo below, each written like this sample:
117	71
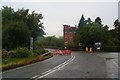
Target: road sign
97	43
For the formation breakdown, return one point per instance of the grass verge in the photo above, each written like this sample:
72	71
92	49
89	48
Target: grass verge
14	63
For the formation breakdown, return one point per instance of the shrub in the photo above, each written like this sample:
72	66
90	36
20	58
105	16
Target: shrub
111	48
39	51
19	53
22	52
12	53
5	54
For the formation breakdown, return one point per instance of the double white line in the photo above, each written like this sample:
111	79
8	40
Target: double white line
54	69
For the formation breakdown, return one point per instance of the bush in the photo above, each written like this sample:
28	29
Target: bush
39	52
111	48
5	54
19	53
12	53
22	52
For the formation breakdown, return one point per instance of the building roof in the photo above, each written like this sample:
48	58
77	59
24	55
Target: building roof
68	27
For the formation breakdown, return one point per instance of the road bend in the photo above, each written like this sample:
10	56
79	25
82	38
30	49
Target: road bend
35	69
77	65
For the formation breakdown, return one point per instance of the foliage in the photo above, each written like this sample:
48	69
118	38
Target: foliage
81	22
98	20
18	26
116	24
51	42
116	31
17	62
111	48
5	54
19	53
38	52
15	36
70	46
92	32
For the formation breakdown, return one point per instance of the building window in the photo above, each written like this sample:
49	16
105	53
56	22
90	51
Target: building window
70	39
65	42
65	33
70	34
65	36
66	39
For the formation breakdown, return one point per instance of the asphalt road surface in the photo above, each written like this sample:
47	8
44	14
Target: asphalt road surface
77	65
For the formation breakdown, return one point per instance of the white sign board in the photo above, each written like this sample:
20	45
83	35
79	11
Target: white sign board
98	43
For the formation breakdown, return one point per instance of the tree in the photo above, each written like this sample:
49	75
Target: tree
19	26
91	33
81	22
117	25
7	15
88	21
117	30
98	20
51	42
35	25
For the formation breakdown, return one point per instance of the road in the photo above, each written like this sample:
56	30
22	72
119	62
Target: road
77	65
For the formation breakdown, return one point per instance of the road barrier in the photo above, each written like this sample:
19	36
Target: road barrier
90	49
86	49
61	52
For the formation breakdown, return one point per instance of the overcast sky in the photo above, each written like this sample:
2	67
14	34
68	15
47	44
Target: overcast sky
57	14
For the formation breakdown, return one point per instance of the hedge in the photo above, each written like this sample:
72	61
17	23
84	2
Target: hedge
111	48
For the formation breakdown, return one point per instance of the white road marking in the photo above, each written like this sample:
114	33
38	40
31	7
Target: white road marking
46	71
54	69
67	63
72	58
35	76
56	66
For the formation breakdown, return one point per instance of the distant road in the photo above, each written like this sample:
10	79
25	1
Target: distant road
77	65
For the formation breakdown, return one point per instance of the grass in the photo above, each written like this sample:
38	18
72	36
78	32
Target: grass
17	62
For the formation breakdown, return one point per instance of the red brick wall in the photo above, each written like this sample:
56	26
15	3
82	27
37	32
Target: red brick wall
69	36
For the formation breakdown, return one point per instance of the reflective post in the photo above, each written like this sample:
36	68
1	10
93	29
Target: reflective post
90	49
86	49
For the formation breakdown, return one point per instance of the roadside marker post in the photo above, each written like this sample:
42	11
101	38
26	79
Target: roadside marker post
86	49
90	49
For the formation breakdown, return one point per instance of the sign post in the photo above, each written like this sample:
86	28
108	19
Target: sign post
31	44
98	44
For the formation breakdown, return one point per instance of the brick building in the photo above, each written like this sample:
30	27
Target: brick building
68	34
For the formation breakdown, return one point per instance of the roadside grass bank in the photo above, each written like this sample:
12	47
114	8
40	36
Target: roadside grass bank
14	63
22	56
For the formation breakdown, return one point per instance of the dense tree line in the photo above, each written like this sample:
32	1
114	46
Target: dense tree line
90	32
50	42
18	26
